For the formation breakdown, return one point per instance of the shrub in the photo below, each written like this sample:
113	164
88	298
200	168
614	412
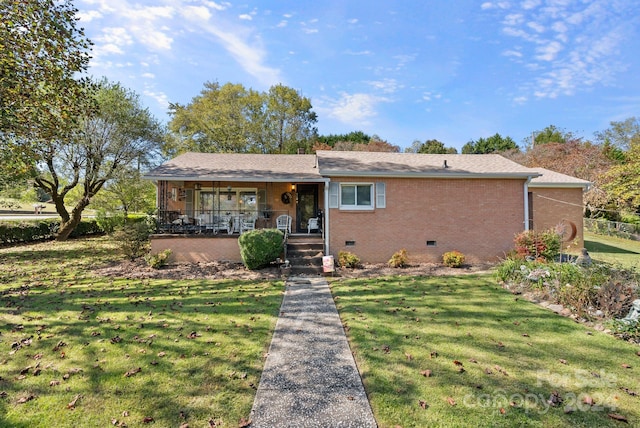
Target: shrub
158	260
533	244
133	239
109	222
12	232
348	260
399	259
453	259
260	247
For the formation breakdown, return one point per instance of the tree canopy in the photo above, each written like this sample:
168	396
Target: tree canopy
230	118
431	147
41	51
494	144
119	134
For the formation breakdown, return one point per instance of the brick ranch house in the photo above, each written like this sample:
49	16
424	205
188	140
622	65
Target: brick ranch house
369	203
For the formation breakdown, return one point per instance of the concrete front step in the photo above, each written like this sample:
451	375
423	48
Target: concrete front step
305	252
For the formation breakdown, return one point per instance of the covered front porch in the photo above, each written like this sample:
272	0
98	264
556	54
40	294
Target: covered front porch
233	207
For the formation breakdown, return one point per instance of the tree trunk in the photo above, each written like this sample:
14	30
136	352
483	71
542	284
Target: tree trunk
66	227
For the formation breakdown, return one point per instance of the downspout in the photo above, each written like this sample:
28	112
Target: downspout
325	223
526	203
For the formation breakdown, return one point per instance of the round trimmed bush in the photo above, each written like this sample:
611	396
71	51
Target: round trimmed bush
258	248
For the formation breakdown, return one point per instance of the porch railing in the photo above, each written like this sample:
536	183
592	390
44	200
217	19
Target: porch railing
216	221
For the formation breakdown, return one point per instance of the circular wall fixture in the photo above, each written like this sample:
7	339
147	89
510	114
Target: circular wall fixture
286	198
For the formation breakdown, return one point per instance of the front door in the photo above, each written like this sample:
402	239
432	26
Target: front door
307	206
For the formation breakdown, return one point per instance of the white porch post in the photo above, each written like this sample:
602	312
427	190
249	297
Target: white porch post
526	203
325	221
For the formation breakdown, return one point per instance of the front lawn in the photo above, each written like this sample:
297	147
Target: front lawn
462	351
611	249
79	350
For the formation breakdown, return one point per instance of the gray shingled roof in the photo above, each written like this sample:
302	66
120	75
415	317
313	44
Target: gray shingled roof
335	163
237	167
555	179
300	168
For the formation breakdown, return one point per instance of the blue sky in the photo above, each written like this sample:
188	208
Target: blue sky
403	70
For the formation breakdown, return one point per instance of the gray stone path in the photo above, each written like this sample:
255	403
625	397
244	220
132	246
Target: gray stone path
310	378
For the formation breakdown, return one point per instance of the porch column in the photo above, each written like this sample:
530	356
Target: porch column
325	221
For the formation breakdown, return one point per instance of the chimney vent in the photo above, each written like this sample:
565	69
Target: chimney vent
444	165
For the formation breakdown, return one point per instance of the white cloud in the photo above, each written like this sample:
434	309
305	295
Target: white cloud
196	13
148	75
386	85
89	15
581	52
513	53
217	6
352	21
548	52
161	98
282	23
354	109
245	17
495	5
112	41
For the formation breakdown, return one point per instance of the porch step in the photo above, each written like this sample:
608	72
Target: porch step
305	252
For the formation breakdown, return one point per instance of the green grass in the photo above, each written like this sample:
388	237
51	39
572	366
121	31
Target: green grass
611	249
65	333
512	351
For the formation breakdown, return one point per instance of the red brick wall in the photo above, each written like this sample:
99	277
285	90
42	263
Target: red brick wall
552	205
478	217
192	249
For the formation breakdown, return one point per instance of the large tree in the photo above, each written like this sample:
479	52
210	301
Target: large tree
231	118
119	134
41	52
622	181
494	144
620	134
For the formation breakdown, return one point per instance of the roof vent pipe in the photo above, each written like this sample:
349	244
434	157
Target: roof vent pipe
444	165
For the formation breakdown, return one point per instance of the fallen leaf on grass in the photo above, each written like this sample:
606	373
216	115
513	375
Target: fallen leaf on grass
409	356
555	399
473	360
562	361
423	404
147	420
244	423
54	383
26	398
588	400
72	403
630	392
58	346
433	354
457	363
184	425
618	417
161	354
116	339
625	366
193	335
133	372
451	401
426	373
502	411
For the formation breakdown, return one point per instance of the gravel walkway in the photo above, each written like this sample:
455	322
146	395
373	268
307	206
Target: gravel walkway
310	378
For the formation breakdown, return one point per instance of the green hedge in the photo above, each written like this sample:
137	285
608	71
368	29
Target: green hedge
260	247
20	231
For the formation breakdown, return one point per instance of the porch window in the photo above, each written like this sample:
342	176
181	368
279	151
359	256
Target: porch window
356	196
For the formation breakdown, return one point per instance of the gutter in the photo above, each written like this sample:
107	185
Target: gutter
526	203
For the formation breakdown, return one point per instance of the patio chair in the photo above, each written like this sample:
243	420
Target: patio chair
222	223
283	223
312	223
247	224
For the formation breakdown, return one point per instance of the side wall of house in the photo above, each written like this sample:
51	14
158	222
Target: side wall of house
478	217
560	206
